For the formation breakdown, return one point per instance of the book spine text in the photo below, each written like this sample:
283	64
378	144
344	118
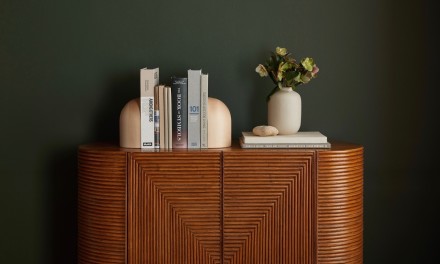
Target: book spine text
194	108
179	91
149	78
204	111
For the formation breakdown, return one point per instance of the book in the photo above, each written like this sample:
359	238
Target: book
179	93
149	78
169	118
162	117
204	110
298	137
156	117
284	145
194	108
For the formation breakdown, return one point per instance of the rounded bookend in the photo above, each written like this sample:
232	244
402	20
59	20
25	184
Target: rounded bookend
130	125
219	124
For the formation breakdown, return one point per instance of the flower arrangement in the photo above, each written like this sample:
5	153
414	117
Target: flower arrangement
285	71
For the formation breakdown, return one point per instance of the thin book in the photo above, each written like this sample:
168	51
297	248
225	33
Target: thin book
284	145
168	118
304	137
162	117
204	110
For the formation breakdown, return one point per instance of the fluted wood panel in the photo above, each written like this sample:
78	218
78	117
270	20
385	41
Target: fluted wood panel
269	206
220	206
174	207
101	206
340	206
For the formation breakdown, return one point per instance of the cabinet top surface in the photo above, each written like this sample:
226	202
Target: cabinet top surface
335	146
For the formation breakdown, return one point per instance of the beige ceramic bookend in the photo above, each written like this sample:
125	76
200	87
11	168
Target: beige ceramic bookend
219	124
130	125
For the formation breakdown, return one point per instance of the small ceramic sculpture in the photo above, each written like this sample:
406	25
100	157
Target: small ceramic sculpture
265	131
219	124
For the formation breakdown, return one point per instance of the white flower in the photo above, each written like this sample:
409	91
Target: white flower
261	70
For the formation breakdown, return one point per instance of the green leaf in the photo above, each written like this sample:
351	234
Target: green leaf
297	77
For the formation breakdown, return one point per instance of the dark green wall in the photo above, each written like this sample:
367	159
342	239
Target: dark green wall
68	67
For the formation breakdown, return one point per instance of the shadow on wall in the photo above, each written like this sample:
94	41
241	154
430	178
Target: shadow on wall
62	207
121	89
62	186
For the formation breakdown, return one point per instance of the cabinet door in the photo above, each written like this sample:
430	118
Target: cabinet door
174	207
269	207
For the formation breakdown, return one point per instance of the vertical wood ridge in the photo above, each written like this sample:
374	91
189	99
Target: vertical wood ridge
340	206
101	206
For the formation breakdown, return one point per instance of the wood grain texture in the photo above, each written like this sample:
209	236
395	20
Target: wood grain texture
340	206
227	205
101	206
269	205
174	207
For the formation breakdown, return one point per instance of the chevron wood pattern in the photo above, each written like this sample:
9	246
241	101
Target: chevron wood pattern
231	206
340	205
269	207
174	207
101	205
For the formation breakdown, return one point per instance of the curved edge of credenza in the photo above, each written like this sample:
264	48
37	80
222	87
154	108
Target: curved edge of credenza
340	205
101	205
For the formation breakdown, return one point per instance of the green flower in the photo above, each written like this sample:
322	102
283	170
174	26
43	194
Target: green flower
308	63
281	51
284	71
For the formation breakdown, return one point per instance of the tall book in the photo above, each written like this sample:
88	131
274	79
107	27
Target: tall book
162	117
149	78
194	108
204	110
169	118
179	93
156	117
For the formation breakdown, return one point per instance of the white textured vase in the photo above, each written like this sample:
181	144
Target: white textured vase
284	111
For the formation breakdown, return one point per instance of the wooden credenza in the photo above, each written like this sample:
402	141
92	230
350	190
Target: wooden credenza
231	205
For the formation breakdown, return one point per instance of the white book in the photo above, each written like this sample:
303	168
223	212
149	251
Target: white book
204	110
156	117
162	101
169	115
284	145
298	137
149	78
194	108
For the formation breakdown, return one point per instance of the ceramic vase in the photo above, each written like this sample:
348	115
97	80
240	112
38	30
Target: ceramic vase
284	111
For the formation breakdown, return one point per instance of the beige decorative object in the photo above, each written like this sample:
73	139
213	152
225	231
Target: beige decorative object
130	125
284	111
219	124
265	131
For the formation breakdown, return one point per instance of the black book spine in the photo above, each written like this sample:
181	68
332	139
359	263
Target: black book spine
179	94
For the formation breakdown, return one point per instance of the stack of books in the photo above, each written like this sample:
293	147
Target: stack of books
301	139
174	115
